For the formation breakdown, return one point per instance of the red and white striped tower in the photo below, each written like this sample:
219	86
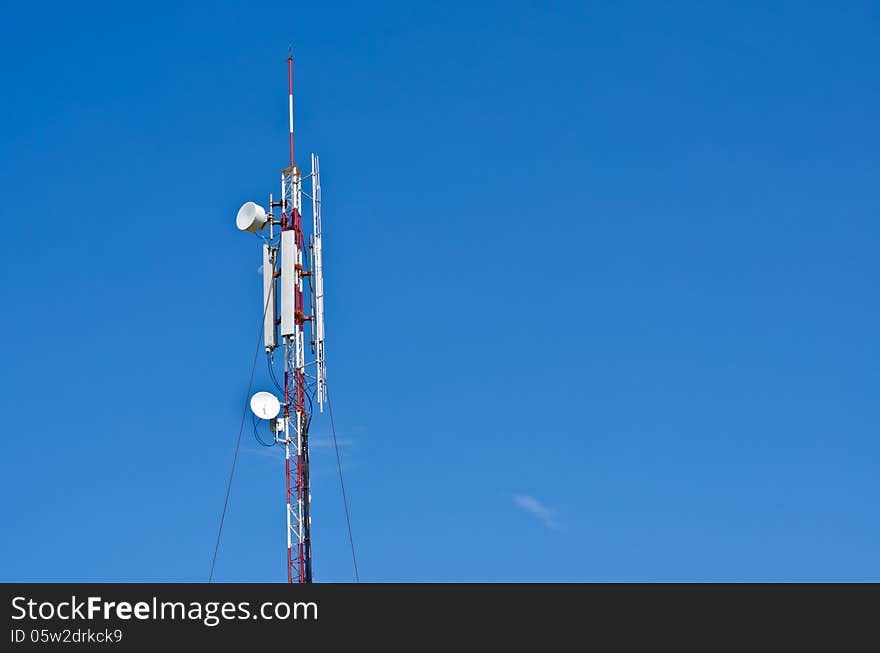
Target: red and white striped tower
299	559
291	428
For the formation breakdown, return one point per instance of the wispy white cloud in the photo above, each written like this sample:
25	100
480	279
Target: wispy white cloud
273	453
534	507
319	442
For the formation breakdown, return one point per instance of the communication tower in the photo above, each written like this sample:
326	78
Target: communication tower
292	277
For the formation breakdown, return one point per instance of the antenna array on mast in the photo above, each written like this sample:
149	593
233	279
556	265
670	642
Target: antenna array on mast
290	424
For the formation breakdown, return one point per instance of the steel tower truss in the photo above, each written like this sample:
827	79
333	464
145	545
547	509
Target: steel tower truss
300	286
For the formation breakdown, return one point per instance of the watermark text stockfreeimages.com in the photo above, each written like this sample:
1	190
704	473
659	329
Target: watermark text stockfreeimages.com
209	613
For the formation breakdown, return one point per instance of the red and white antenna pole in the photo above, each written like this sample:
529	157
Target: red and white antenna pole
293	318
290	98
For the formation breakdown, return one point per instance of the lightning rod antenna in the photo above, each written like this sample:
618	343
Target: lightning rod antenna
290	96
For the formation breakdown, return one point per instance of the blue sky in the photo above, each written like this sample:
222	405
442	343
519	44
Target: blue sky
601	288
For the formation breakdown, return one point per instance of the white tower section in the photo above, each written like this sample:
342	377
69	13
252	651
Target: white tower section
291	256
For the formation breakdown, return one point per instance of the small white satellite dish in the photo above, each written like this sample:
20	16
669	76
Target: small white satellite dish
265	405
251	217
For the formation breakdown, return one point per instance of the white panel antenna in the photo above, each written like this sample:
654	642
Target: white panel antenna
270	329
288	281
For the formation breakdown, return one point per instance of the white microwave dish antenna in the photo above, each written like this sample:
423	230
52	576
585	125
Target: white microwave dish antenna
251	217
265	405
